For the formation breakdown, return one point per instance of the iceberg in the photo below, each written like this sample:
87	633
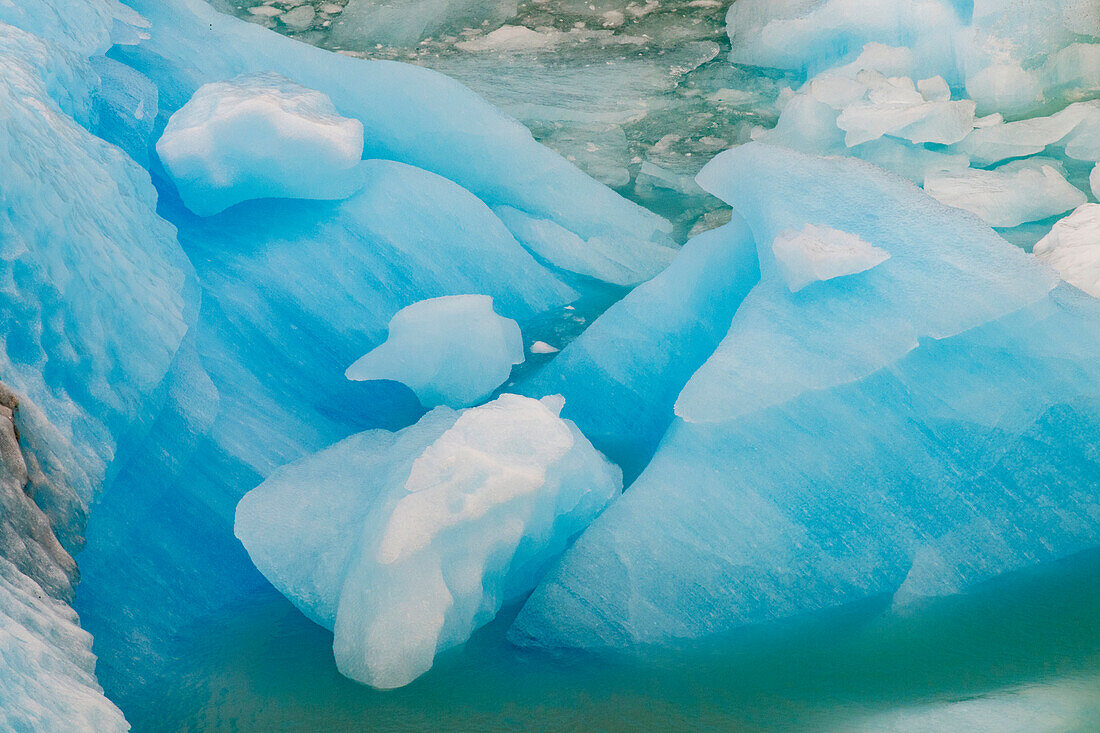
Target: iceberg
259	136
874	436
453	350
404	543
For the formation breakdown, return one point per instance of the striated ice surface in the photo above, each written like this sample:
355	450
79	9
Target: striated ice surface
1073	248
260	136
404	543
822	253
876	435
621	376
454	350
47	669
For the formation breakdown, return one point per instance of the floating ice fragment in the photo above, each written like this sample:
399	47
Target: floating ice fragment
454	350
541	347
1015	193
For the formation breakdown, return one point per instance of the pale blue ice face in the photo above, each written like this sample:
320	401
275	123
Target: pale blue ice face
846	389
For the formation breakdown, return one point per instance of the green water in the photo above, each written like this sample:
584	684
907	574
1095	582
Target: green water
1021	653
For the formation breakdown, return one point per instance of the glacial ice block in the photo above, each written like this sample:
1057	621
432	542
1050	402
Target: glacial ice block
1012	194
454	350
404	543
872	319
260	136
819	253
1073	248
913	430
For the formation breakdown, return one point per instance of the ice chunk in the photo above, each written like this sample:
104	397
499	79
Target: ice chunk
409	115
260	136
909	302
404	543
452	350
993	143
541	347
1073	248
1015	193
907	448
1094	181
811	35
819	253
895	107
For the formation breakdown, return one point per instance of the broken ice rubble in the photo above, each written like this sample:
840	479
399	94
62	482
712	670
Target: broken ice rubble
404	543
452	350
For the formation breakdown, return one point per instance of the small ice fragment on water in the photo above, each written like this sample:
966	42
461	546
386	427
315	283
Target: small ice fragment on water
541	347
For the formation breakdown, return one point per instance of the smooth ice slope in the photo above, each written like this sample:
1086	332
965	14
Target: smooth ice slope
620	377
1073	248
940	406
454	350
260	136
404	543
822	253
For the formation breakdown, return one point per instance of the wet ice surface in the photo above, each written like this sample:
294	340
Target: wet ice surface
639	95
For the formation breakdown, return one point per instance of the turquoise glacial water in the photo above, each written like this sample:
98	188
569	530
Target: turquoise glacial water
1021	653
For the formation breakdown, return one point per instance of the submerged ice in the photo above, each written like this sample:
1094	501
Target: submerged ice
404	543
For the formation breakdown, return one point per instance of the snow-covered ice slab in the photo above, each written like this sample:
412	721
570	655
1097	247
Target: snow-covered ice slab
1073	248
404	543
260	136
454	350
822	253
